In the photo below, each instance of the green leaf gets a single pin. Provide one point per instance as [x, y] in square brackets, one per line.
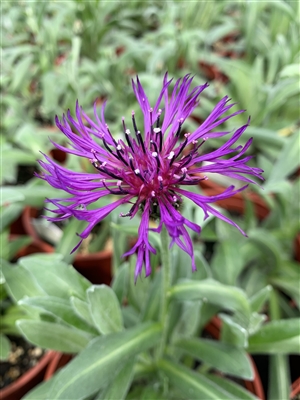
[36, 192]
[58, 308]
[150, 310]
[56, 277]
[226, 265]
[16, 244]
[40, 392]
[277, 337]
[96, 366]
[264, 137]
[120, 281]
[4, 347]
[20, 72]
[222, 356]
[289, 285]
[81, 308]
[268, 244]
[280, 93]
[232, 332]
[279, 379]
[188, 320]
[9, 214]
[289, 71]
[50, 92]
[131, 316]
[138, 291]
[29, 138]
[119, 387]
[54, 336]
[189, 382]
[258, 300]
[10, 195]
[237, 391]
[20, 282]
[288, 160]
[23, 157]
[69, 239]
[105, 309]
[227, 297]
[256, 322]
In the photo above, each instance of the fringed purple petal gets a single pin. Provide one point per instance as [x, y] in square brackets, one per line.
[146, 169]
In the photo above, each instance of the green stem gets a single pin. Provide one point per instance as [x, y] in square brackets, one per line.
[165, 286]
[274, 305]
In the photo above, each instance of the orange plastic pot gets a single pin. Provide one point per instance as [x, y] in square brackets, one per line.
[238, 201]
[96, 267]
[27, 381]
[58, 361]
[295, 390]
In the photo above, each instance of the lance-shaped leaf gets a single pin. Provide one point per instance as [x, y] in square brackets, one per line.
[259, 298]
[120, 385]
[60, 309]
[105, 309]
[277, 337]
[192, 384]
[279, 377]
[54, 336]
[56, 277]
[97, 365]
[236, 391]
[20, 282]
[81, 308]
[227, 297]
[222, 356]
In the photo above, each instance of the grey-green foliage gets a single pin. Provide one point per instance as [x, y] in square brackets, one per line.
[70, 315]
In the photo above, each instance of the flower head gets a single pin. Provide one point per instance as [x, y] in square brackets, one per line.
[151, 167]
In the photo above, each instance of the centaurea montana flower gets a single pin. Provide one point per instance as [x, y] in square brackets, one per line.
[149, 169]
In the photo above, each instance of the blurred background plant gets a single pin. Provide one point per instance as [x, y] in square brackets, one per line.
[54, 53]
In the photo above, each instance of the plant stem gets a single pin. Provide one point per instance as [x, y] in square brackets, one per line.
[165, 286]
[274, 305]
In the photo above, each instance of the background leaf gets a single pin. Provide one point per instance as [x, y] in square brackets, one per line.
[277, 337]
[54, 336]
[218, 355]
[105, 309]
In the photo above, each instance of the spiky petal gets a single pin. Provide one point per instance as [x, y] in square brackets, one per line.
[148, 168]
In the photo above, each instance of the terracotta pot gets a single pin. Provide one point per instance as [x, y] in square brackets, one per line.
[27, 381]
[17, 227]
[58, 155]
[36, 246]
[255, 386]
[212, 73]
[96, 267]
[58, 361]
[295, 390]
[236, 202]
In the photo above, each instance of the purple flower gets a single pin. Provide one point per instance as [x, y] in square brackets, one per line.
[149, 167]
